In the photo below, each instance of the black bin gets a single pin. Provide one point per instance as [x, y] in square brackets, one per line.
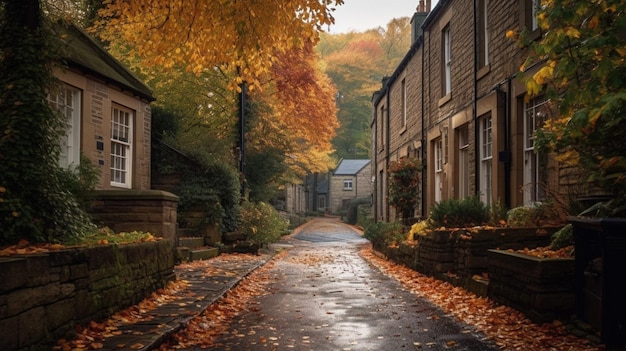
[600, 272]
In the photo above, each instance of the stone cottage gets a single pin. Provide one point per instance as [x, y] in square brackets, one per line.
[108, 116]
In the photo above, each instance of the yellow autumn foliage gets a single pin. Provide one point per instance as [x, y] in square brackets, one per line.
[238, 36]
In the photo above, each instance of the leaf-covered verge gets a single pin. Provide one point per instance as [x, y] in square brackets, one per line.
[102, 236]
[505, 326]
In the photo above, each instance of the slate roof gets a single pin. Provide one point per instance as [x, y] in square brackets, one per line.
[89, 56]
[350, 167]
[322, 187]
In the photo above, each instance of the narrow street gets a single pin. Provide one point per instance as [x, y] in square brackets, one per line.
[324, 296]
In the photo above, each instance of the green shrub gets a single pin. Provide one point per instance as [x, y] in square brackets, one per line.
[547, 213]
[364, 218]
[519, 217]
[563, 238]
[353, 209]
[385, 233]
[81, 180]
[295, 220]
[498, 214]
[455, 213]
[262, 223]
[214, 190]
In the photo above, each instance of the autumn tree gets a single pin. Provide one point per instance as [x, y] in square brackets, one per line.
[81, 12]
[238, 36]
[356, 64]
[583, 56]
[265, 44]
[35, 204]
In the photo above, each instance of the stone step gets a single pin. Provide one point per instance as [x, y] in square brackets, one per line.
[187, 232]
[191, 242]
[204, 253]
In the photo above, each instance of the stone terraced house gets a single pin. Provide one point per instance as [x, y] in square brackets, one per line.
[456, 103]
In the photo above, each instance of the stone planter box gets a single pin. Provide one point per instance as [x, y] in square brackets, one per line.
[457, 255]
[541, 288]
[464, 251]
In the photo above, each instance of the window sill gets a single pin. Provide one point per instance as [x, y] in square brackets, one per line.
[483, 72]
[444, 100]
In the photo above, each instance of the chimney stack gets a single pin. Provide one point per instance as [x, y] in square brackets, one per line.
[418, 18]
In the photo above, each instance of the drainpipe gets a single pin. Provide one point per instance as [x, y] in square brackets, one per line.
[387, 153]
[375, 166]
[474, 109]
[423, 136]
[507, 144]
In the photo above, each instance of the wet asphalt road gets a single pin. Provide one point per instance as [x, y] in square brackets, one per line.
[324, 296]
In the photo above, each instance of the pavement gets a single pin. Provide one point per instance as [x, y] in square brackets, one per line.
[208, 281]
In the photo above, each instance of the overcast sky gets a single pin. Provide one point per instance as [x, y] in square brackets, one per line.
[361, 15]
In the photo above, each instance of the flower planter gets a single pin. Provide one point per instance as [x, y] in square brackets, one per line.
[541, 288]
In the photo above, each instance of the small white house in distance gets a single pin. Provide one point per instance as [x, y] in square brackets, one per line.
[352, 179]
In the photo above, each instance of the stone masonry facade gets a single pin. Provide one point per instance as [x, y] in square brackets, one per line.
[456, 102]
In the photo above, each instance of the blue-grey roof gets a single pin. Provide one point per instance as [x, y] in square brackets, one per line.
[322, 187]
[351, 167]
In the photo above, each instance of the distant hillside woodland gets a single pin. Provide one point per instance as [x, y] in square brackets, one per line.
[356, 63]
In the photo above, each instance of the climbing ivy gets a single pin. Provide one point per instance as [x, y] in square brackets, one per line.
[34, 205]
[404, 181]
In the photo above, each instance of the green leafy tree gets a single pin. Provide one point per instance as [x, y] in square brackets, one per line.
[404, 182]
[583, 52]
[34, 204]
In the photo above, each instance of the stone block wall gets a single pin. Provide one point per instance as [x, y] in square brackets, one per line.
[153, 211]
[542, 288]
[42, 296]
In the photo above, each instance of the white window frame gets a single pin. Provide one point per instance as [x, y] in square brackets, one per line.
[122, 130]
[447, 60]
[534, 162]
[464, 162]
[347, 184]
[404, 104]
[438, 169]
[486, 160]
[535, 5]
[485, 32]
[66, 100]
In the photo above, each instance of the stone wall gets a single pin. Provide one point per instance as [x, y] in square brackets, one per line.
[465, 258]
[464, 252]
[152, 211]
[42, 296]
[542, 288]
